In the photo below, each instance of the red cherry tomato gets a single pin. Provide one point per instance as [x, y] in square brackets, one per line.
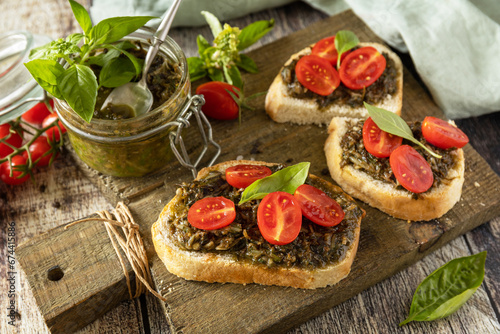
[53, 133]
[318, 207]
[211, 213]
[411, 169]
[379, 143]
[362, 67]
[37, 114]
[14, 139]
[279, 218]
[37, 149]
[5, 168]
[442, 134]
[317, 75]
[326, 49]
[241, 176]
[218, 103]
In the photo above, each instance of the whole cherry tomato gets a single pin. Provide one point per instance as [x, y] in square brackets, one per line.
[218, 103]
[5, 169]
[279, 218]
[37, 114]
[37, 149]
[442, 134]
[317, 75]
[211, 213]
[362, 67]
[318, 207]
[241, 176]
[14, 139]
[411, 169]
[326, 49]
[379, 143]
[53, 133]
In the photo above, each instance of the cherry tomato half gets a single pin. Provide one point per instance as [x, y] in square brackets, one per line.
[442, 134]
[14, 139]
[5, 168]
[326, 49]
[241, 176]
[411, 169]
[211, 213]
[53, 133]
[318, 207]
[362, 67]
[377, 142]
[218, 103]
[37, 149]
[37, 114]
[279, 218]
[317, 75]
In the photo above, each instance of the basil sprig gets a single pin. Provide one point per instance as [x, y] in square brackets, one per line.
[392, 123]
[288, 180]
[221, 60]
[445, 290]
[76, 83]
[345, 40]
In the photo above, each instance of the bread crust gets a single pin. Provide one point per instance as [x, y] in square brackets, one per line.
[385, 197]
[283, 108]
[214, 267]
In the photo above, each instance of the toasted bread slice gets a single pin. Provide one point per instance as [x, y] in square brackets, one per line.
[384, 196]
[282, 107]
[224, 267]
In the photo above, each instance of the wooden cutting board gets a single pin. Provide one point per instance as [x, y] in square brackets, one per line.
[76, 277]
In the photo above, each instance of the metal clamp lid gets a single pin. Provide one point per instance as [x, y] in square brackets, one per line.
[193, 107]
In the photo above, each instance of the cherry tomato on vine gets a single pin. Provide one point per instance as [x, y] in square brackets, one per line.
[326, 49]
[211, 213]
[241, 176]
[5, 168]
[53, 133]
[362, 67]
[411, 169]
[442, 134]
[317, 75]
[14, 139]
[318, 207]
[377, 142]
[37, 114]
[218, 103]
[279, 218]
[37, 149]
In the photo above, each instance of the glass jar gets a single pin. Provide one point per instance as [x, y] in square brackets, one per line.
[135, 146]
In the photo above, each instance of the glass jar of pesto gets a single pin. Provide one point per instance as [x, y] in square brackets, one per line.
[136, 146]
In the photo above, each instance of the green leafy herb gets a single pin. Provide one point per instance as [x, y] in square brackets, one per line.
[392, 123]
[288, 180]
[447, 289]
[75, 82]
[221, 60]
[345, 40]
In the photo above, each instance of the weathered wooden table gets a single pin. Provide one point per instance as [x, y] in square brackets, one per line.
[61, 193]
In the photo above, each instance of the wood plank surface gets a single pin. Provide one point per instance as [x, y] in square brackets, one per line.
[66, 195]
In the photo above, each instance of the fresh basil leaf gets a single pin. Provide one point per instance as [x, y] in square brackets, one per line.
[447, 289]
[105, 57]
[215, 74]
[117, 72]
[253, 32]
[394, 124]
[213, 22]
[196, 68]
[46, 72]
[135, 61]
[345, 40]
[233, 76]
[55, 50]
[78, 86]
[202, 44]
[288, 180]
[75, 38]
[82, 16]
[112, 29]
[247, 64]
